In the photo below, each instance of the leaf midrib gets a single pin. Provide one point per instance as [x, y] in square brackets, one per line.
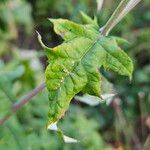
[86, 53]
[74, 67]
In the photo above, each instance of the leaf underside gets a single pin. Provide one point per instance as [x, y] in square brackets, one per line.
[74, 65]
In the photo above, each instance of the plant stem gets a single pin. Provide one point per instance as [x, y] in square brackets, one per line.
[23, 101]
[111, 22]
[124, 125]
[123, 8]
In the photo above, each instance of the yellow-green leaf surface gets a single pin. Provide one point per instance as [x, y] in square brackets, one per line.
[74, 65]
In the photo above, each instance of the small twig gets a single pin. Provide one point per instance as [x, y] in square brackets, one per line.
[124, 125]
[23, 101]
[141, 96]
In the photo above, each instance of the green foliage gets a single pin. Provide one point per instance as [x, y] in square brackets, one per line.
[8, 73]
[74, 64]
[80, 122]
[26, 129]
[98, 125]
[13, 14]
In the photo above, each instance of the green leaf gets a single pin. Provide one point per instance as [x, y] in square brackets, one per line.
[87, 20]
[74, 65]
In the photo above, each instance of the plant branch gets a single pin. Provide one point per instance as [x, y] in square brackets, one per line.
[124, 125]
[123, 8]
[16, 106]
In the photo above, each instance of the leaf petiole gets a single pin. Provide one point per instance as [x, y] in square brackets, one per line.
[121, 11]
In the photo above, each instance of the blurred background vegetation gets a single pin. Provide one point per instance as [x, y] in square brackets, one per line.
[120, 126]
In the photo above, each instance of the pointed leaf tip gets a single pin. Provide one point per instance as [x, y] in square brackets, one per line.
[51, 20]
[81, 12]
[49, 51]
[68, 139]
[40, 39]
[53, 126]
[38, 34]
[121, 41]
[130, 78]
[87, 19]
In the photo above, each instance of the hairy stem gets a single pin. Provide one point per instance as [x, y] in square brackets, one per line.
[23, 101]
[123, 8]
